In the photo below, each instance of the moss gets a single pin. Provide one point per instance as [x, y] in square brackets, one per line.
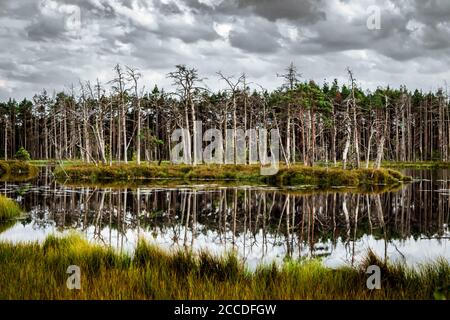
[287, 176]
[17, 168]
[4, 168]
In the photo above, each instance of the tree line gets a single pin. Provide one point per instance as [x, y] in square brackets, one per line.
[120, 121]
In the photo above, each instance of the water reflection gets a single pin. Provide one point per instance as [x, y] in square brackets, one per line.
[263, 224]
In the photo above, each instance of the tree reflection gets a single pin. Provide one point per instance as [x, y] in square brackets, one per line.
[249, 219]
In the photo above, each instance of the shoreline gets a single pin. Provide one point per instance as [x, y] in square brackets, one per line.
[295, 175]
[153, 273]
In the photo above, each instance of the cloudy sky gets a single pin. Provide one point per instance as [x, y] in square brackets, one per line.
[53, 43]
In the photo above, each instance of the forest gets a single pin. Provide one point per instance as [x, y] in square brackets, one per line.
[121, 121]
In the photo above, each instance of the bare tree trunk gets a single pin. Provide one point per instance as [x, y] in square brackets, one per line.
[288, 134]
[346, 147]
[382, 133]
[333, 139]
[46, 137]
[124, 130]
[66, 147]
[111, 133]
[138, 134]
[302, 126]
[194, 132]
[355, 120]
[348, 129]
[313, 138]
[87, 141]
[6, 139]
[380, 151]
[134, 76]
[369, 145]
[294, 143]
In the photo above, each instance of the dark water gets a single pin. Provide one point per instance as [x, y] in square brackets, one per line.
[262, 223]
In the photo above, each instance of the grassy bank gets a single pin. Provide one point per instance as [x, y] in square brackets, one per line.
[8, 209]
[33, 271]
[424, 165]
[53, 162]
[292, 176]
[16, 167]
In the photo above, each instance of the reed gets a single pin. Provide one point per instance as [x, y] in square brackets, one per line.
[8, 209]
[38, 271]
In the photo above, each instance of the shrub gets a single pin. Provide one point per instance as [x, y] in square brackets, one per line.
[23, 155]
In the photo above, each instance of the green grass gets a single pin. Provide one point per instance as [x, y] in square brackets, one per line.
[420, 165]
[34, 271]
[8, 209]
[426, 165]
[385, 164]
[295, 175]
[328, 177]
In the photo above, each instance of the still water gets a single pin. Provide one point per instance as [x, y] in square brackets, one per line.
[261, 223]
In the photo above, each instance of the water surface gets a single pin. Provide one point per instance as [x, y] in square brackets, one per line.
[263, 224]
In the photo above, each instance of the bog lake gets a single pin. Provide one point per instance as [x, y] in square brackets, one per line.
[261, 223]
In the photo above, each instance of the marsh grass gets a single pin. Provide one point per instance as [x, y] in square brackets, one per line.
[18, 178]
[423, 165]
[33, 271]
[293, 176]
[5, 225]
[8, 209]
[12, 168]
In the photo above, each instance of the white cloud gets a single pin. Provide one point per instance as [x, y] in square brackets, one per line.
[223, 29]
[140, 14]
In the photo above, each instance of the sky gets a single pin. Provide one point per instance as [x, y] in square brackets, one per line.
[51, 44]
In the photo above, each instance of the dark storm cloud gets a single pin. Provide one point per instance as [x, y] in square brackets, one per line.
[256, 36]
[285, 9]
[402, 35]
[246, 40]
[167, 8]
[202, 8]
[430, 12]
[41, 77]
[8, 65]
[23, 8]
[333, 35]
[51, 28]
[306, 10]
[188, 33]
